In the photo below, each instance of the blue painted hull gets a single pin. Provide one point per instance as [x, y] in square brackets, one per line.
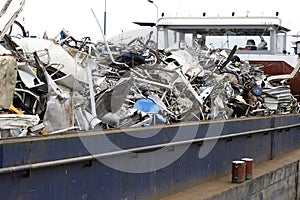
[52, 167]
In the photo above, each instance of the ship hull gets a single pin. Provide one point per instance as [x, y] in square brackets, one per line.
[62, 167]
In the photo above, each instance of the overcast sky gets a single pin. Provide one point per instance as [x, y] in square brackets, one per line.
[77, 18]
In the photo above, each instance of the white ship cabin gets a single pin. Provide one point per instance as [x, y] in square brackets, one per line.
[257, 38]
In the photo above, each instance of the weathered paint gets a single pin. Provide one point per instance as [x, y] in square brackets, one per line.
[238, 171]
[8, 77]
[249, 168]
[94, 180]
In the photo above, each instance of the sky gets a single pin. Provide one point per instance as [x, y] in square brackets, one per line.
[52, 16]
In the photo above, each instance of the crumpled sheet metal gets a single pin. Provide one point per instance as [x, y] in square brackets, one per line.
[11, 121]
[16, 124]
[56, 55]
[182, 85]
[59, 111]
[112, 100]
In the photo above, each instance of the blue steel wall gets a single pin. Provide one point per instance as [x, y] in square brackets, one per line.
[97, 181]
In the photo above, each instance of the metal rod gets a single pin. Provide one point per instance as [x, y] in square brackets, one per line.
[150, 1]
[105, 41]
[64, 130]
[104, 18]
[108, 49]
[91, 85]
[11, 20]
[7, 170]
[4, 9]
[153, 83]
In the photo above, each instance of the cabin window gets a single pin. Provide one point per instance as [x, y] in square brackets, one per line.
[171, 39]
[280, 45]
[227, 41]
[243, 42]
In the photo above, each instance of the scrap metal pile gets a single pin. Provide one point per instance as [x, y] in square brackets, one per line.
[54, 85]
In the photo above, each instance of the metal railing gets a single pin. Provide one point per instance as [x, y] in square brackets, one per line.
[55, 163]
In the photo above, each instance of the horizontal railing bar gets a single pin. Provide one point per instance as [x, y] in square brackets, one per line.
[20, 168]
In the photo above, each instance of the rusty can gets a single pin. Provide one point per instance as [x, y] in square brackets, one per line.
[249, 168]
[238, 171]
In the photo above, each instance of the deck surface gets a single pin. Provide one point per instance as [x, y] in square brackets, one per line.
[211, 188]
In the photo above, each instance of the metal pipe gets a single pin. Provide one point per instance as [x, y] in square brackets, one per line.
[5, 7]
[11, 20]
[20, 168]
[153, 83]
[150, 1]
[64, 130]
[91, 84]
[109, 51]
[105, 17]
[104, 38]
